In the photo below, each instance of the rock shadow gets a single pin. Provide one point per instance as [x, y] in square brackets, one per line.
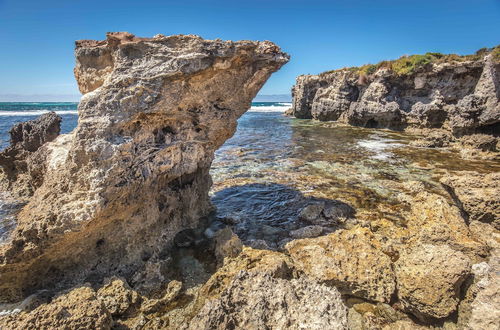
[267, 216]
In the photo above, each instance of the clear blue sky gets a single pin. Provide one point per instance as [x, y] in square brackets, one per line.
[36, 37]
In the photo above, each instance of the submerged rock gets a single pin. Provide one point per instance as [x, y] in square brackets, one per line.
[134, 172]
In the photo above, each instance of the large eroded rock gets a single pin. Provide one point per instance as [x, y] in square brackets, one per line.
[459, 96]
[429, 278]
[351, 260]
[134, 172]
[260, 301]
[20, 169]
[477, 194]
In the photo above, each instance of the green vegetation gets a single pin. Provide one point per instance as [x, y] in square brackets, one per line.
[407, 65]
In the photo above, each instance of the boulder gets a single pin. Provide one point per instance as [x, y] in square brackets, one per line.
[350, 260]
[19, 161]
[135, 171]
[429, 278]
[477, 194]
[485, 306]
[78, 309]
[433, 220]
[261, 301]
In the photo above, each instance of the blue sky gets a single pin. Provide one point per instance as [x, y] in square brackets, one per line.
[36, 37]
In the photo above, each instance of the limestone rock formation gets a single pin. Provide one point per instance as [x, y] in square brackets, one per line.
[134, 172]
[477, 194]
[20, 169]
[259, 301]
[460, 94]
[433, 220]
[429, 278]
[78, 309]
[485, 306]
[350, 260]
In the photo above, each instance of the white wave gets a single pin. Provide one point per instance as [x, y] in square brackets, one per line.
[36, 112]
[380, 147]
[269, 108]
[289, 104]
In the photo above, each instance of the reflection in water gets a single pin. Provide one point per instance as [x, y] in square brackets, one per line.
[366, 168]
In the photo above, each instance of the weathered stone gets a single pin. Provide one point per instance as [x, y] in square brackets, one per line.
[459, 96]
[227, 244]
[350, 260]
[485, 308]
[307, 232]
[19, 162]
[78, 309]
[135, 171]
[154, 305]
[477, 194]
[432, 220]
[118, 297]
[429, 278]
[482, 142]
[260, 301]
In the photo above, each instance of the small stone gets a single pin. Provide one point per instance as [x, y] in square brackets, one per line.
[227, 244]
[311, 212]
[307, 232]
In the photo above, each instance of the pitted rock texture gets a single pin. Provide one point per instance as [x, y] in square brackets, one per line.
[20, 169]
[260, 301]
[477, 194]
[351, 260]
[460, 96]
[134, 172]
[429, 278]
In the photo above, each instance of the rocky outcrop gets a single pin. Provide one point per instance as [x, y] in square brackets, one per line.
[20, 170]
[459, 94]
[78, 309]
[259, 301]
[134, 172]
[429, 278]
[351, 260]
[477, 194]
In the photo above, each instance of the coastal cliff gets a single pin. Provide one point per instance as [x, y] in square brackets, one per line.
[134, 172]
[116, 231]
[459, 94]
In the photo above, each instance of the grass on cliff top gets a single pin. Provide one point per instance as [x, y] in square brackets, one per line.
[407, 65]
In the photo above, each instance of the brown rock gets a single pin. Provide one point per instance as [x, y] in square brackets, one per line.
[429, 278]
[477, 194]
[78, 309]
[432, 220]
[350, 260]
[261, 301]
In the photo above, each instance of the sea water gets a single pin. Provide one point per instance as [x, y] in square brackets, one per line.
[266, 172]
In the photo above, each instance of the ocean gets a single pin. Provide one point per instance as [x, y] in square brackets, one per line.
[15, 112]
[273, 163]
